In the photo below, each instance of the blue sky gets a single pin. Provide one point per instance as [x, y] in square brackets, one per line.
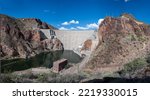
[75, 14]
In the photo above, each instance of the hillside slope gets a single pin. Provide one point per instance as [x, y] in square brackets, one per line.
[20, 38]
[121, 40]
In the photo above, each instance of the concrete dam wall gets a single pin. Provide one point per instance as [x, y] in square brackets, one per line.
[71, 39]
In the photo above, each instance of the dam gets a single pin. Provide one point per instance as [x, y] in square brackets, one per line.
[73, 42]
[72, 39]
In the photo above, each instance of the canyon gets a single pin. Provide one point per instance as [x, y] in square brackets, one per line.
[119, 48]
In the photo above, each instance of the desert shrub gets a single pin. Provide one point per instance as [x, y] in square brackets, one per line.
[133, 38]
[52, 74]
[142, 38]
[148, 59]
[42, 78]
[7, 78]
[67, 79]
[45, 76]
[30, 75]
[135, 64]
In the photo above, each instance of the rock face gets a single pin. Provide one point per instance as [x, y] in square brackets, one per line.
[125, 24]
[30, 23]
[22, 37]
[121, 40]
[87, 45]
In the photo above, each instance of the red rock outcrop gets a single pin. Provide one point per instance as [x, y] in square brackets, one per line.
[121, 40]
[33, 23]
[87, 45]
[20, 39]
[125, 24]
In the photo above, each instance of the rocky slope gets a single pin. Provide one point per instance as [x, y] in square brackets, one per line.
[121, 40]
[22, 37]
[30, 23]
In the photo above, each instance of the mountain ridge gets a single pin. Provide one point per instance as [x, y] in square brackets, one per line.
[22, 38]
[121, 40]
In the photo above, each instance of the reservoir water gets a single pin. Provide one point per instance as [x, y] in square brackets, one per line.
[40, 60]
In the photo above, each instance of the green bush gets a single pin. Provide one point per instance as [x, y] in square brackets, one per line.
[68, 79]
[133, 37]
[135, 64]
[45, 76]
[6, 78]
[148, 59]
[42, 78]
[142, 38]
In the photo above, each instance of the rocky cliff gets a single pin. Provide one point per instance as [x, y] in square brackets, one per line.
[32, 23]
[22, 37]
[121, 40]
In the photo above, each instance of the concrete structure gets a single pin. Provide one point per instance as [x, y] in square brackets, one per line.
[59, 65]
[48, 33]
[72, 39]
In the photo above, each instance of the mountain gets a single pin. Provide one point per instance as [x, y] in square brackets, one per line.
[121, 40]
[22, 37]
[30, 23]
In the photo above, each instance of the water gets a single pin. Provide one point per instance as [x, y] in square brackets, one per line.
[41, 60]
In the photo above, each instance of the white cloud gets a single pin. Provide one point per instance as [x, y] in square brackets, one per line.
[122, 0]
[74, 22]
[73, 28]
[93, 26]
[65, 23]
[86, 27]
[82, 28]
[70, 22]
[63, 28]
[126, 0]
[100, 21]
